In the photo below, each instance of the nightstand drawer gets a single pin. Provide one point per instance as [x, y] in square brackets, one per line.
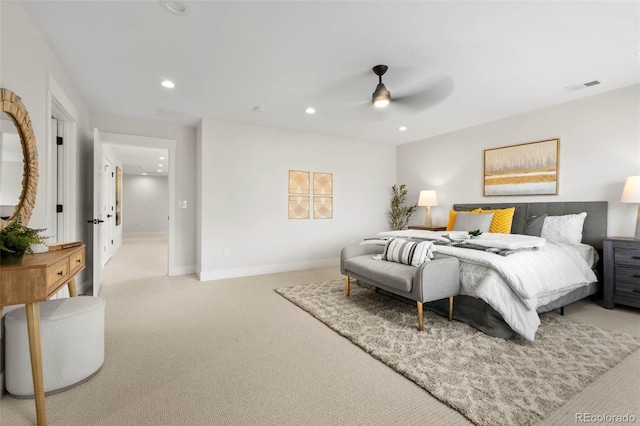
[629, 277]
[627, 256]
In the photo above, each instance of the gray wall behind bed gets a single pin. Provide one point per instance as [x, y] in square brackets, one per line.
[595, 224]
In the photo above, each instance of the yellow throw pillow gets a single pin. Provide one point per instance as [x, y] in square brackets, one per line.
[452, 220]
[502, 220]
[453, 214]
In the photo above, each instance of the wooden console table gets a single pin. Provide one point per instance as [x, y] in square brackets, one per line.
[38, 278]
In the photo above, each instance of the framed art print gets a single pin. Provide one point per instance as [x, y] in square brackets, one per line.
[323, 207]
[299, 182]
[525, 169]
[298, 207]
[322, 183]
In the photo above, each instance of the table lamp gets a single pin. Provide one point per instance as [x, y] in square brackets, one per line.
[428, 198]
[631, 194]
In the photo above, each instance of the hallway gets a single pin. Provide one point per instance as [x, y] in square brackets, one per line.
[140, 257]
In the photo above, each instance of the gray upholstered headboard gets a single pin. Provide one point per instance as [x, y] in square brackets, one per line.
[595, 224]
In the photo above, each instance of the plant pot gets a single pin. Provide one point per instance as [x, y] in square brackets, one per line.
[7, 258]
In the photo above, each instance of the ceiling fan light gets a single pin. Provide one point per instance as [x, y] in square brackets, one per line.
[381, 103]
[381, 96]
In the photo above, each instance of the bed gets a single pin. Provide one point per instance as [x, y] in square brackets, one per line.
[480, 314]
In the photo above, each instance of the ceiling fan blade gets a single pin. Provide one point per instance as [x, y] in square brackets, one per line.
[346, 88]
[360, 111]
[439, 89]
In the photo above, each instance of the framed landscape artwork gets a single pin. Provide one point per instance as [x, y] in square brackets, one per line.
[525, 169]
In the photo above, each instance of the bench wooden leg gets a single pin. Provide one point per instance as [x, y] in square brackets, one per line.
[450, 308]
[347, 285]
[420, 317]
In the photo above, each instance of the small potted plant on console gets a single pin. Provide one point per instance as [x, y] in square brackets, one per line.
[16, 239]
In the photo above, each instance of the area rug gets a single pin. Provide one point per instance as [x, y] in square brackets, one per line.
[489, 380]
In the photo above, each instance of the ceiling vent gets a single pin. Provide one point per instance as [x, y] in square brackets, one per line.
[582, 86]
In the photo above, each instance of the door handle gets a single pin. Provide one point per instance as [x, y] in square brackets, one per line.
[95, 221]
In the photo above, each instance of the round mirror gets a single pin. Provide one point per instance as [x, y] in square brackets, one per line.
[11, 167]
[18, 190]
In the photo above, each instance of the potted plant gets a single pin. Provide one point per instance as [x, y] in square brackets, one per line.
[475, 233]
[399, 214]
[16, 239]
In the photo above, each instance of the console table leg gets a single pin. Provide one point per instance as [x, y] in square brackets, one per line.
[73, 292]
[33, 328]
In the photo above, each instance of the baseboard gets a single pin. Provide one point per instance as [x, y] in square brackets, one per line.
[182, 270]
[219, 274]
[136, 234]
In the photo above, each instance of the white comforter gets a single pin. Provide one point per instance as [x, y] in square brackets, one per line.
[516, 285]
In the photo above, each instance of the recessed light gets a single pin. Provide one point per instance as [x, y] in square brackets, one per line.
[168, 84]
[144, 174]
[310, 110]
[161, 158]
[402, 128]
[159, 171]
[160, 165]
[175, 7]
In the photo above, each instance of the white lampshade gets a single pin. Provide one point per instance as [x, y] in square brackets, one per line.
[631, 191]
[428, 198]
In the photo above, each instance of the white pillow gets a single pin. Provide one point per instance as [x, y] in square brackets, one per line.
[473, 221]
[565, 229]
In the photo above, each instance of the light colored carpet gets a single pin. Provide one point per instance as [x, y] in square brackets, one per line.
[234, 352]
[490, 380]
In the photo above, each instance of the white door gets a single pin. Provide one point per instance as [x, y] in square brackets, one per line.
[58, 146]
[97, 212]
[108, 194]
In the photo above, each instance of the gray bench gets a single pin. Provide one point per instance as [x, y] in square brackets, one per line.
[434, 280]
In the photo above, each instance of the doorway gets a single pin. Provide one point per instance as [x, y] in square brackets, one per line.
[138, 160]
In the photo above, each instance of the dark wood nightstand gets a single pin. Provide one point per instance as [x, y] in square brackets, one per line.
[621, 272]
[428, 228]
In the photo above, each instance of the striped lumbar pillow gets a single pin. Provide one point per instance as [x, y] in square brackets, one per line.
[407, 252]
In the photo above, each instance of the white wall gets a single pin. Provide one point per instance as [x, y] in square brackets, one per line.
[27, 65]
[185, 219]
[145, 204]
[244, 194]
[599, 148]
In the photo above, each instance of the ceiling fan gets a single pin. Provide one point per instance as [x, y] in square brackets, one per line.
[434, 92]
[381, 96]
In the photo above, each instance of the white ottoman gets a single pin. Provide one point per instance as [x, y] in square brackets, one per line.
[72, 336]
